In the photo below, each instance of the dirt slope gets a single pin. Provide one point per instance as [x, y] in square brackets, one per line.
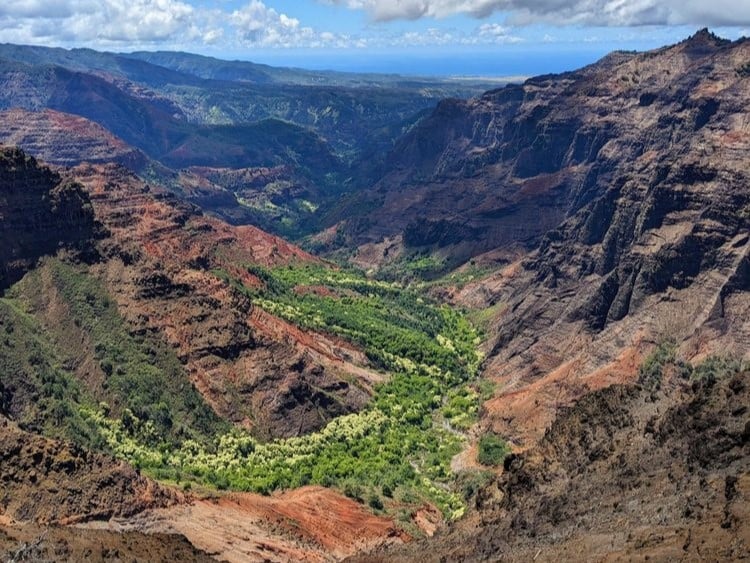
[310, 524]
[48, 481]
[626, 474]
[64, 139]
[158, 261]
[59, 502]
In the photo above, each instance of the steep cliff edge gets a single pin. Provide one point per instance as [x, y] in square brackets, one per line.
[654, 247]
[629, 473]
[612, 203]
[506, 167]
[39, 213]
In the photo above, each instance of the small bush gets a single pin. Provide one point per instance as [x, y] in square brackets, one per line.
[715, 368]
[375, 502]
[652, 369]
[492, 450]
[470, 483]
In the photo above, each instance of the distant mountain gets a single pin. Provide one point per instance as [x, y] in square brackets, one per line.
[246, 71]
[612, 203]
[342, 107]
[198, 111]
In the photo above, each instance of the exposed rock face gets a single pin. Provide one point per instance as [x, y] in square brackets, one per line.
[655, 244]
[628, 183]
[512, 164]
[51, 482]
[254, 370]
[66, 140]
[39, 213]
[627, 473]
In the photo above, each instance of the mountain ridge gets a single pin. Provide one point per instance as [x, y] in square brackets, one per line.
[592, 348]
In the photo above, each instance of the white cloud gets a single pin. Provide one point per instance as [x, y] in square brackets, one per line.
[99, 22]
[144, 23]
[136, 24]
[564, 12]
[485, 34]
[176, 24]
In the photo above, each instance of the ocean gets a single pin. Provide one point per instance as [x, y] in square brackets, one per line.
[439, 64]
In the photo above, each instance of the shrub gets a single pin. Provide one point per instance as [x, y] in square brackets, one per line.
[492, 450]
[375, 503]
[652, 368]
[470, 482]
[716, 367]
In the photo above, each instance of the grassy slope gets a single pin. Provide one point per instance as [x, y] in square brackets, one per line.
[144, 385]
[395, 455]
[35, 388]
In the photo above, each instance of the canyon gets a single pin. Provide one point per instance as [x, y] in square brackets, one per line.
[248, 339]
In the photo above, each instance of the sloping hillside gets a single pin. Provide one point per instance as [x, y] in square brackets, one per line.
[629, 473]
[512, 164]
[611, 204]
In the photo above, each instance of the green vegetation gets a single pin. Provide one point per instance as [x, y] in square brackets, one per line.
[468, 273]
[394, 454]
[471, 482]
[396, 451]
[34, 384]
[651, 371]
[461, 406]
[403, 449]
[492, 450]
[145, 384]
[716, 367]
[664, 356]
[425, 266]
[398, 329]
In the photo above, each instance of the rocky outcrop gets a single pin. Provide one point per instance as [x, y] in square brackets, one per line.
[70, 545]
[65, 139]
[51, 482]
[39, 213]
[159, 262]
[628, 473]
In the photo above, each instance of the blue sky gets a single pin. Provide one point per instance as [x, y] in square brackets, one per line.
[468, 36]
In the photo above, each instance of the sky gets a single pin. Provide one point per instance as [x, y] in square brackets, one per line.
[449, 37]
